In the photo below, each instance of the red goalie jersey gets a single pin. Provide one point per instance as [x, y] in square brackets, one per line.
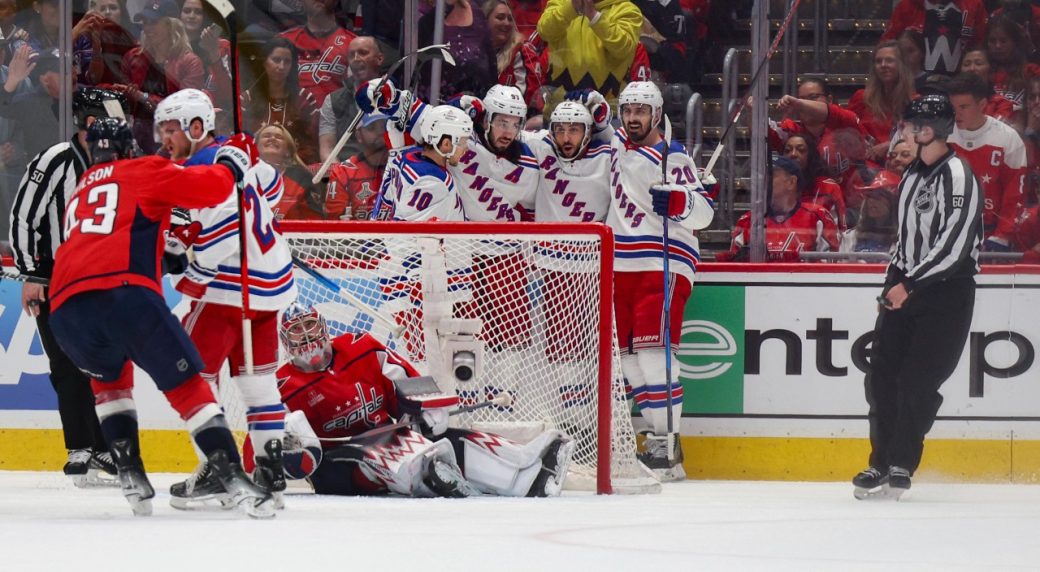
[354, 394]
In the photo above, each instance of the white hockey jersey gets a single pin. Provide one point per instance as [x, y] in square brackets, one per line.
[571, 191]
[216, 250]
[417, 189]
[637, 229]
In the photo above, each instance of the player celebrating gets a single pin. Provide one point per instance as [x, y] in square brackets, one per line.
[353, 387]
[108, 309]
[417, 184]
[213, 281]
[640, 203]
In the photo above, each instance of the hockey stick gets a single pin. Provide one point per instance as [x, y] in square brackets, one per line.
[504, 400]
[18, 277]
[667, 318]
[227, 11]
[395, 328]
[742, 103]
[429, 52]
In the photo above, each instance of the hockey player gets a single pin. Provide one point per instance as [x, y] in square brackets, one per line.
[108, 309]
[418, 184]
[213, 281]
[352, 387]
[640, 201]
[185, 127]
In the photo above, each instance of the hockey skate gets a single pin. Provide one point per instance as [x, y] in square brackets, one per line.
[199, 491]
[898, 482]
[446, 480]
[270, 474]
[132, 478]
[241, 492]
[555, 461]
[872, 484]
[655, 456]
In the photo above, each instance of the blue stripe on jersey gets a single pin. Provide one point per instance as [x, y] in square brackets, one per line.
[253, 289]
[253, 273]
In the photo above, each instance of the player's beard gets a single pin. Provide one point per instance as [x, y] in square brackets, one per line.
[637, 131]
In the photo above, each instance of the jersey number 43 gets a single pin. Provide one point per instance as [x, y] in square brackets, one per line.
[101, 203]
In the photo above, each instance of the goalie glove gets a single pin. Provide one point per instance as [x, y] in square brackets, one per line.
[671, 200]
[595, 103]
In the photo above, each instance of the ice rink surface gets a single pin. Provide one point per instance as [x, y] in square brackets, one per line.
[47, 524]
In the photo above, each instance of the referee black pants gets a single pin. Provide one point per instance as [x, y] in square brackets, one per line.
[915, 350]
[79, 421]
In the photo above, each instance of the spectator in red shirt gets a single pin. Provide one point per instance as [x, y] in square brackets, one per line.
[997, 106]
[813, 112]
[949, 27]
[817, 187]
[880, 104]
[354, 184]
[277, 148]
[527, 13]
[877, 226]
[792, 226]
[1031, 135]
[322, 48]
[519, 63]
[1009, 50]
[213, 50]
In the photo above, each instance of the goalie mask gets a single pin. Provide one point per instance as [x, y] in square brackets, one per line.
[305, 337]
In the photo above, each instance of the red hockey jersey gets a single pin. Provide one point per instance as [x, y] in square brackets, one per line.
[808, 228]
[114, 222]
[997, 156]
[354, 394]
[323, 60]
[949, 29]
[353, 188]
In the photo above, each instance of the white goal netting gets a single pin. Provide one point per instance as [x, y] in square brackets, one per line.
[521, 309]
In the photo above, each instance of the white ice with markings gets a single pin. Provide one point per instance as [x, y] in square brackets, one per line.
[47, 524]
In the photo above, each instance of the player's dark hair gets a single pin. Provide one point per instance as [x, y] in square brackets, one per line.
[969, 84]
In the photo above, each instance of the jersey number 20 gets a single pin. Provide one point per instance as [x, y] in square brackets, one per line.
[104, 199]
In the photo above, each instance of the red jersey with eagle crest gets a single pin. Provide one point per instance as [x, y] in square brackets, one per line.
[352, 395]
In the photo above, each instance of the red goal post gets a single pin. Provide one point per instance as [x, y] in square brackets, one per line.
[530, 303]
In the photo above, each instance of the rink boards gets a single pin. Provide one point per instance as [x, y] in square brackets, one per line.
[772, 362]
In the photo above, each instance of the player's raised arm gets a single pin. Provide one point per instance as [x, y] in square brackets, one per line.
[205, 185]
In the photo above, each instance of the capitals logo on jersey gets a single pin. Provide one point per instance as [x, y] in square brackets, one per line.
[362, 409]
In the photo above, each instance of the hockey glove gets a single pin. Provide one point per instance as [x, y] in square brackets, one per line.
[180, 238]
[436, 420]
[595, 103]
[238, 154]
[473, 106]
[708, 181]
[371, 97]
[193, 284]
[669, 200]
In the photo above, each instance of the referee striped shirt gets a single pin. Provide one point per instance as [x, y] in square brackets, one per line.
[39, 206]
[940, 223]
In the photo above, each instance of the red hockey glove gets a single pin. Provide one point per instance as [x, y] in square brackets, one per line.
[371, 97]
[669, 200]
[239, 154]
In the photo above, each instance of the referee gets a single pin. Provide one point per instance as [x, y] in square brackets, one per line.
[926, 306]
[36, 232]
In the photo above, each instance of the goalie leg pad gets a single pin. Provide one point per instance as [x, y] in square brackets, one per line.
[401, 461]
[502, 467]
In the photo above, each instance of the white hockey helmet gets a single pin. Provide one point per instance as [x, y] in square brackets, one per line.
[505, 99]
[644, 93]
[571, 112]
[184, 107]
[305, 337]
[445, 121]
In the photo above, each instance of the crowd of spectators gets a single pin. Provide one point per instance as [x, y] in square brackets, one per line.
[301, 63]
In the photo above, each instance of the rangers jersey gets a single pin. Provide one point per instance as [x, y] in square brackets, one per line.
[323, 59]
[637, 229]
[571, 191]
[998, 158]
[216, 249]
[415, 188]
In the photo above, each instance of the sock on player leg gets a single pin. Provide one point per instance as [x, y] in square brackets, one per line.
[265, 413]
[115, 407]
[194, 402]
[655, 398]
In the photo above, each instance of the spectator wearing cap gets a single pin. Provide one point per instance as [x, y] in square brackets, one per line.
[322, 47]
[161, 65]
[792, 226]
[592, 43]
[278, 99]
[949, 27]
[354, 184]
[876, 229]
[366, 59]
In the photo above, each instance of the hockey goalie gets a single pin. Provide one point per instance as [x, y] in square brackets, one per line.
[363, 422]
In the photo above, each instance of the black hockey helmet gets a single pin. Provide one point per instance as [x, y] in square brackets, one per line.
[90, 102]
[933, 110]
[110, 139]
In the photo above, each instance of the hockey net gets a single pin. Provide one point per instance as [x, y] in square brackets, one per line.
[486, 309]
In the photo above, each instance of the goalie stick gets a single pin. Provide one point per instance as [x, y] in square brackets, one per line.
[743, 102]
[429, 52]
[504, 400]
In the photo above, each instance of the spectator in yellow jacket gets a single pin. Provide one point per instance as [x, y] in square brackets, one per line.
[591, 43]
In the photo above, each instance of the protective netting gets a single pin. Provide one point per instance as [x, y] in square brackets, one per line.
[521, 311]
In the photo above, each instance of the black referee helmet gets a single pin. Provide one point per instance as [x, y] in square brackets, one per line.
[932, 110]
[90, 102]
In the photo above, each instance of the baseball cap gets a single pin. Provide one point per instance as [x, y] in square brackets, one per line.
[155, 9]
[369, 118]
[789, 166]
